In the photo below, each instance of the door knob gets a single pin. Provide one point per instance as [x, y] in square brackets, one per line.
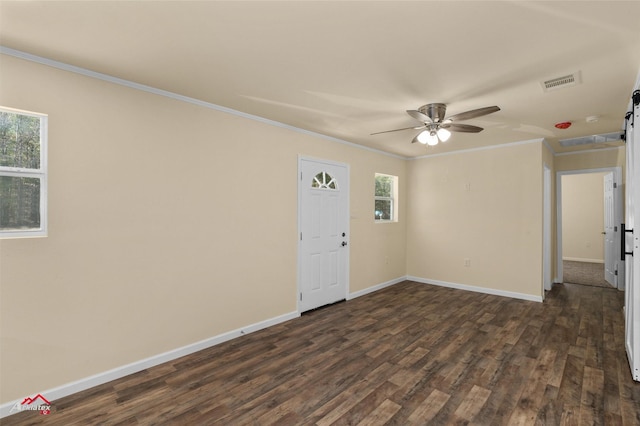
[344, 243]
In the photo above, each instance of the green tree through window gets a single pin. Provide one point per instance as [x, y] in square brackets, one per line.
[21, 173]
[384, 209]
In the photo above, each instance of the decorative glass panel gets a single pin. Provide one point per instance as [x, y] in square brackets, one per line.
[324, 180]
[20, 206]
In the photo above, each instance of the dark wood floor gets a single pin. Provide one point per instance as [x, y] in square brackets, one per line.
[408, 354]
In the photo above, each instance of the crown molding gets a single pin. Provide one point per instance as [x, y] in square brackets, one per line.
[160, 92]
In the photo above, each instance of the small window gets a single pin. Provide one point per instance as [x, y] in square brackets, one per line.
[324, 180]
[23, 177]
[386, 203]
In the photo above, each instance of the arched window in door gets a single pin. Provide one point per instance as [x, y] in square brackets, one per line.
[324, 180]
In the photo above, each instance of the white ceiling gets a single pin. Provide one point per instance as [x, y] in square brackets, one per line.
[349, 69]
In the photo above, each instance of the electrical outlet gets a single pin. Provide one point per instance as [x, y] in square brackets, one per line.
[467, 262]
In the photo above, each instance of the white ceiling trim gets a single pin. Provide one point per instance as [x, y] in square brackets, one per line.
[149, 89]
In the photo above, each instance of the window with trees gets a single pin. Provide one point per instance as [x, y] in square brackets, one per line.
[386, 203]
[23, 173]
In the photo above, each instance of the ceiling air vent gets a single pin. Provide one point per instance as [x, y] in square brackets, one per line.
[561, 82]
[593, 139]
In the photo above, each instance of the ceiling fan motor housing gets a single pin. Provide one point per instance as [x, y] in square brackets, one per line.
[435, 111]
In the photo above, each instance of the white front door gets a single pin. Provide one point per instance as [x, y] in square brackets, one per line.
[609, 229]
[323, 217]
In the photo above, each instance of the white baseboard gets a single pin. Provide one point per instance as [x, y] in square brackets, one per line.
[582, 259]
[125, 370]
[476, 289]
[119, 372]
[375, 288]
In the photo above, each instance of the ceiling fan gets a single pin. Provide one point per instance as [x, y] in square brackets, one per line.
[437, 128]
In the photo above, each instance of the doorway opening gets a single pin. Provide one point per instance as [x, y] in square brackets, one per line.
[589, 217]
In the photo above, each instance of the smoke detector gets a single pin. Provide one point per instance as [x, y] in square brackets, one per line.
[561, 82]
[563, 125]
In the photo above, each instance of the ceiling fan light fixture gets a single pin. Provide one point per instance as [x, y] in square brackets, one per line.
[423, 137]
[432, 139]
[444, 134]
[438, 128]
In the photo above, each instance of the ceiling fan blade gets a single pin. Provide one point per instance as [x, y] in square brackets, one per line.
[397, 130]
[464, 128]
[419, 116]
[467, 115]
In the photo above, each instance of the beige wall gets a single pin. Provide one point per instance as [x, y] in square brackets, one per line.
[593, 159]
[583, 217]
[169, 223]
[159, 236]
[485, 206]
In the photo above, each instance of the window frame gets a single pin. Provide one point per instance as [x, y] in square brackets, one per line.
[393, 199]
[41, 174]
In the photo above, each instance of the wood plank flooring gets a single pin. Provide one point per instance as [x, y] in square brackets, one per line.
[408, 354]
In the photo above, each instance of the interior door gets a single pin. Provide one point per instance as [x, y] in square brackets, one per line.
[323, 255]
[609, 230]
[632, 244]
